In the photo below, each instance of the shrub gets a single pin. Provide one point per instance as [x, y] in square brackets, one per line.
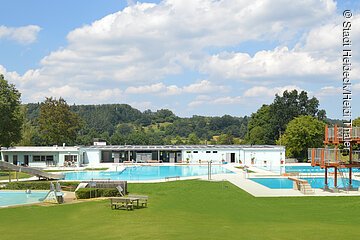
[36, 185]
[84, 193]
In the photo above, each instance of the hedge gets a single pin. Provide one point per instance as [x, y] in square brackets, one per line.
[84, 193]
[37, 185]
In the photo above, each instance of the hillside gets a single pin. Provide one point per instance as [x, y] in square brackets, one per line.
[121, 123]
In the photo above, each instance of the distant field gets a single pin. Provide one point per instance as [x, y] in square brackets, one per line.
[189, 210]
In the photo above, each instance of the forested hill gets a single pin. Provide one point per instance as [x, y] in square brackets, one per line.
[121, 123]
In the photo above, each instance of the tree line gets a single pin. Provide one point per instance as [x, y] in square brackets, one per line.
[292, 119]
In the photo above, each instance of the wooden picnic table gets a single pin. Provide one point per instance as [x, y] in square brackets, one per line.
[124, 202]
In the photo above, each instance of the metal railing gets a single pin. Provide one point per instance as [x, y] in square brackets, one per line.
[326, 156]
[338, 133]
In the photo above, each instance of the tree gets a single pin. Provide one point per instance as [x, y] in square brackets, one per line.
[225, 139]
[259, 128]
[290, 105]
[10, 118]
[302, 133]
[57, 123]
[356, 122]
[193, 139]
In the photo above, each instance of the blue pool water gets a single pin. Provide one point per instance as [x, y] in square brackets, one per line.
[310, 169]
[284, 183]
[11, 198]
[301, 169]
[140, 173]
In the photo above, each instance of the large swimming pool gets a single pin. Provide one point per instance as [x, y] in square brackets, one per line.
[285, 183]
[141, 173]
[11, 198]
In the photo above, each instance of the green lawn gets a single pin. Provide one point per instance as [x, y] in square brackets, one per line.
[189, 210]
[5, 175]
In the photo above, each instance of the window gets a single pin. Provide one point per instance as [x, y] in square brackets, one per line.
[6, 158]
[195, 151]
[188, 151]
[70, 158]
[214, 151]
[37, 158]
[208, 151]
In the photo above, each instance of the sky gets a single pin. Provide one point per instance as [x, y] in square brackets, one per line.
[194, 57]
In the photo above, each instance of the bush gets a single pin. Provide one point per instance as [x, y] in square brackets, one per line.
[84, 193]
[36, 185]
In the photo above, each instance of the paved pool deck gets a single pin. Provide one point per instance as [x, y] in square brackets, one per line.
[240, 179]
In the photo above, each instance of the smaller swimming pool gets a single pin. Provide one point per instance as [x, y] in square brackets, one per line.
[12, 198]
[301, 169]
[285, 183]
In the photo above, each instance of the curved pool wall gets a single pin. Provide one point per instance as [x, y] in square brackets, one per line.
[285, 183]
[143, 173]
[13, 198]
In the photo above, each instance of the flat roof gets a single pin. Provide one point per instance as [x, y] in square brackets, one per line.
[182, 147]
[41, 149]
[140, 148]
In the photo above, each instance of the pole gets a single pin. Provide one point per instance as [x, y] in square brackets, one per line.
[335, 177]
[210, 170]
[350, 177]
[326, 178]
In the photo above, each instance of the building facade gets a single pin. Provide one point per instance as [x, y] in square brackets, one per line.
[259, 155]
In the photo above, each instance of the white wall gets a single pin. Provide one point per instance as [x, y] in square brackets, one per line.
[202, 155]
[267, 157]
[92, 156]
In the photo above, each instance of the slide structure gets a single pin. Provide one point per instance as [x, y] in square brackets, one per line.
[32, 171]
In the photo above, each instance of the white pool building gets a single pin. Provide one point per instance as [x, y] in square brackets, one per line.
[100, 154]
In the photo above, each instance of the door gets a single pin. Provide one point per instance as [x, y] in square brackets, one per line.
[172, 157]
[232, 157]
[15, 159]
[26, 160]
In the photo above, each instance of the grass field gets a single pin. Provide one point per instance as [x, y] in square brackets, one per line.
[189, 210]
[5, 175]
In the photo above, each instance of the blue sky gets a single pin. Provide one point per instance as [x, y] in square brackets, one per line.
[195, 57]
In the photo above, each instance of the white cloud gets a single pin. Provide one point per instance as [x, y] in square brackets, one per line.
[24, 35]
[203, 86]
[260, 91]
[329, 91]
[154, 88]
[228, 100]
[280, 63]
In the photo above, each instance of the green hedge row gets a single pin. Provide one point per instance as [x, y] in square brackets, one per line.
[84, 193]
[38, 185]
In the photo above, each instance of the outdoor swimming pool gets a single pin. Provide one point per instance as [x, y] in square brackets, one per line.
[284, 183]
[141, 173]
[300, 169]
[11, 198]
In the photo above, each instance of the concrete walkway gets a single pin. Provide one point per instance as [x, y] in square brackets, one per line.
[240, 179]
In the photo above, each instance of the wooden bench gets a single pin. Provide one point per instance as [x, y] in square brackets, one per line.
[143, 199]
[169, 178]
[121, 203]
